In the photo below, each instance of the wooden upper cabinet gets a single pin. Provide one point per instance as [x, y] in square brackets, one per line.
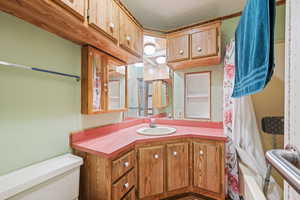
[76, 7]
[104, 82]
[207, 166]
[178, 48]
[131, 36]
[104, 16]
[151, 171]
[177, 166]
[204, 43]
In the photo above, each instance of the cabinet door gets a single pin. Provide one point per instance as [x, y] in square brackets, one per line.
[113, 23]
[178, 48]
[117, 85]
[76, 7]
[138, 40]
[151, 171]
[204, 43]
[104, 15]
[124, 30]
[92, 84]
[177, 166]
[207, 166]
[131, 36]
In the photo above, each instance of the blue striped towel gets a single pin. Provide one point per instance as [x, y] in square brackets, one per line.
[254, 48]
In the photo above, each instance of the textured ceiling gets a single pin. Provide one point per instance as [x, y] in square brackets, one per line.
[166, 15]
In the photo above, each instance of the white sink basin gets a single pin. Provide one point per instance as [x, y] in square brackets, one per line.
[160, 130]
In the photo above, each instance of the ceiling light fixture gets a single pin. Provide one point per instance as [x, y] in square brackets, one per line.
[139, 64]
[161, 60]
[149, 49]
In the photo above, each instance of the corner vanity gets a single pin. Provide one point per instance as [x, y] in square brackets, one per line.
[120, 164]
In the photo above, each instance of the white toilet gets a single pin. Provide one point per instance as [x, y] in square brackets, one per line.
[55, 179]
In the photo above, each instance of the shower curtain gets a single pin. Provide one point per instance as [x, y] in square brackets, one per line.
[231, 154]
[243, 135]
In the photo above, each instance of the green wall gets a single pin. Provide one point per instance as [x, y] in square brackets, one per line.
[38, 110]
[227, 33]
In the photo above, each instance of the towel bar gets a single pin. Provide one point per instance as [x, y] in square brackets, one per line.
[287, 163]
[38, 69]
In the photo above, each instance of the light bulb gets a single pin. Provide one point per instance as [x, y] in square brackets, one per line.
[149, 49]
[161, 60]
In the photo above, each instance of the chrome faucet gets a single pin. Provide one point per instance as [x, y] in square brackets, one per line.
[152, 123]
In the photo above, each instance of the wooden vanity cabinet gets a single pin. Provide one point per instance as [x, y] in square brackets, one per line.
[103, 84]
[177, 166]
[130, 196]
[98, 180]
[151, 170]
[76, 7]
[207, 167]
[157, 170]
[194, 47]
[104, 16]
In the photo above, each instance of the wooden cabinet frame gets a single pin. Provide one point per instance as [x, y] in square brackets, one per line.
[87, 81]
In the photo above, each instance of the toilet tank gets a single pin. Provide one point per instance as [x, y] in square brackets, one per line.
[54, 179]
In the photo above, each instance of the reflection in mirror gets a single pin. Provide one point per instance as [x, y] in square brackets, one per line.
[117, 87]
[148, 93]
[146, 98]
[97, 86]
[160, 94]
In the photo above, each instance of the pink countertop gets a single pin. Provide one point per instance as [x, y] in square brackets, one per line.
[108, 141]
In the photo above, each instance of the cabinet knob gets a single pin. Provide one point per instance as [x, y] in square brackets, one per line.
[128, 38]
[111, 25]
[126, 164]
[181, 52]
[174, 153]
[156, 156]
[199, 49]
[126, 185]
[201, 152]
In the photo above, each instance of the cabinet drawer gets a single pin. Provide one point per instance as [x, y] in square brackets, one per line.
[205, 43]
[123, 185]
[130, 195]
[178, 48]
[122, 165]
